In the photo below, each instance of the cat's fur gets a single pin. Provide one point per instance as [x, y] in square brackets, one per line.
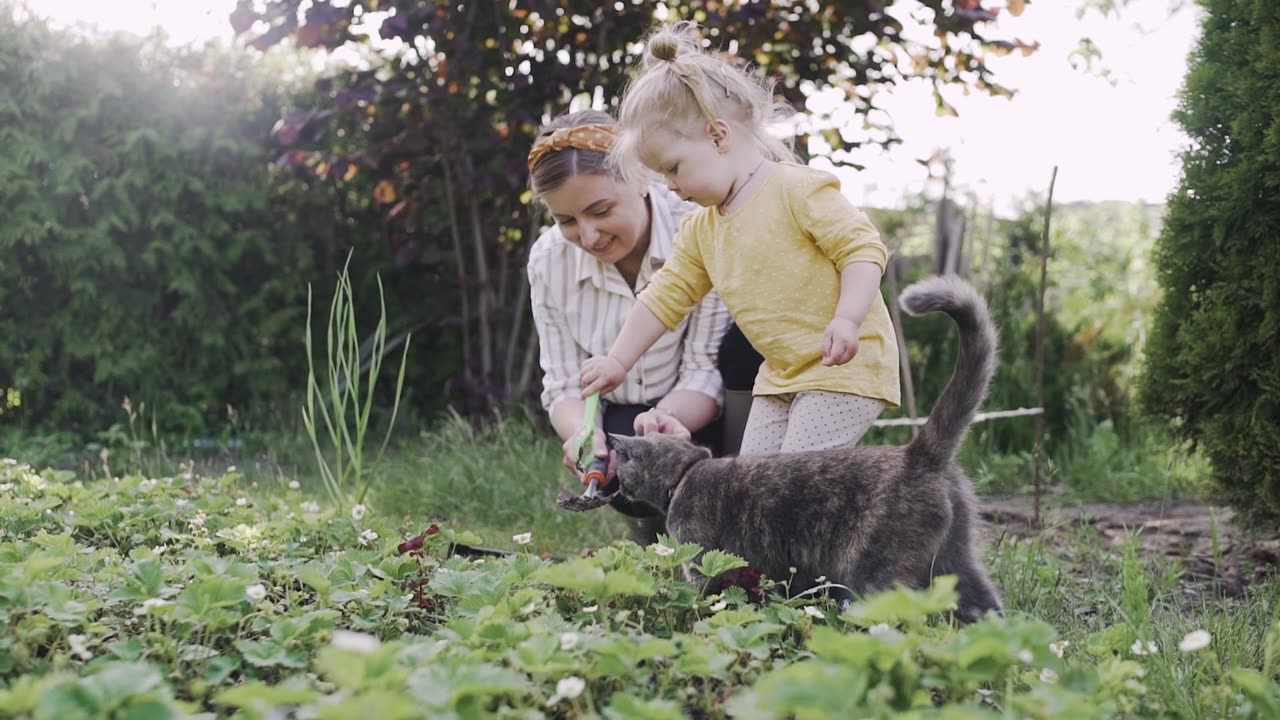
[868, 517]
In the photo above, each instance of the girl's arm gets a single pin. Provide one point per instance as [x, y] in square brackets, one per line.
[859, 287]
[639, 332]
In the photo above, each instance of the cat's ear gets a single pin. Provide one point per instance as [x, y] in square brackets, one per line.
[613, 441]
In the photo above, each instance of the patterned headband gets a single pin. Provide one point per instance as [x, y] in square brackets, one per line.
[598, 137]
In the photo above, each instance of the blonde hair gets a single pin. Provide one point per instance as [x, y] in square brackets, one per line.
[681, 87]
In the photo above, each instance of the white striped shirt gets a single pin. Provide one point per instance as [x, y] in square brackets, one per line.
[580, 303]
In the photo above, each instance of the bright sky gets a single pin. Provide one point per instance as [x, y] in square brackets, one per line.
[1110, 142]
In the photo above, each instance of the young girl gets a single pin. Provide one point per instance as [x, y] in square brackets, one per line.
[797, 265]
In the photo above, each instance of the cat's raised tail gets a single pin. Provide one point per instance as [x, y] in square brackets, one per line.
[941, 436]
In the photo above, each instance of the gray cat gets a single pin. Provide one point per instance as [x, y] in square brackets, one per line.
[867, 518]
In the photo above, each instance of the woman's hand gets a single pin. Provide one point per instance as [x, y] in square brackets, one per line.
[660, 422]
[570, 447]
[602, 374]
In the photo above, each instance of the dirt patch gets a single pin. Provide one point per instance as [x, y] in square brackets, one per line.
[1183, 530]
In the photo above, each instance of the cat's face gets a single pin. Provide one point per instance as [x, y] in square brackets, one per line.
[650, 467]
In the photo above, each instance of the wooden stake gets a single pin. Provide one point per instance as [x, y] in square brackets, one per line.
[1044, 276]
[904, 358]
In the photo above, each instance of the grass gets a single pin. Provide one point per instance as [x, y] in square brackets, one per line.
[1084, 589]
[499, 480]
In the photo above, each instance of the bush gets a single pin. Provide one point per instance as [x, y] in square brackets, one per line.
[142, 257]
[152, 249]
[1212, 364]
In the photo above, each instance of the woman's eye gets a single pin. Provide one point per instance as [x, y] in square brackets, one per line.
[567, 221]
[672, 170]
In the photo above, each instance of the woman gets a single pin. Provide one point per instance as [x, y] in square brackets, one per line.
[584, 273]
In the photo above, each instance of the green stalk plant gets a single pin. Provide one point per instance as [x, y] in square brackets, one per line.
[344, 403]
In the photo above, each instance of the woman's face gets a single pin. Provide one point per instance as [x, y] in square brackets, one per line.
[597, 213]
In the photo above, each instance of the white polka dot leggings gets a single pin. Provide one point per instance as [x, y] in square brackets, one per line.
[814, 420]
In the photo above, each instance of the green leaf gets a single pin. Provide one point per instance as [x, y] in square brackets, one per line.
[443, 687]
[624, 706]
[269, 653]
[582, 575]
[220, 668]
[716, 562]
[128, 648]
[256, 695]
[316, 578]
[1260, 691]
[628, 582]
[806, 689]
[906, 607]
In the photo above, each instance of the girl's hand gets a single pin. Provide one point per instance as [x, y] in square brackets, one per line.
[840, 341]
[602, 374]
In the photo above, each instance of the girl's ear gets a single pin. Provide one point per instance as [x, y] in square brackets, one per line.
[719, 131]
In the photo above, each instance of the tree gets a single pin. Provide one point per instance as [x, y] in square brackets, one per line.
[447, 97]
[1212, 362]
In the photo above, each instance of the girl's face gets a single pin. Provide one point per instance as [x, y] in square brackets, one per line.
[602, 216]
[693, 167]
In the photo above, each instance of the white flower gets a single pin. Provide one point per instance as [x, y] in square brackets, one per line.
[358, 511]
[1195, 640]
[1026, 656]
[528, 609]
[880, 629]
[663, 550]
[591, 608]
[181, 502]
[80, 647]
[146, 484]
[719, 606]
[1059, 647]
[231, 469]
[1140, 648]
[294, 484]
[568, 640]
[241, 502]
[6, 487]
[367, 536]
[159, 549]
[568, 689]
[813, 612]
[522, 538]
[310, 506]
[1048, 676]
[356, 642]
[149, 603]
[255, 592]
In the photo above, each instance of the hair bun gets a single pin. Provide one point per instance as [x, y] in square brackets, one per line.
[665, 45]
